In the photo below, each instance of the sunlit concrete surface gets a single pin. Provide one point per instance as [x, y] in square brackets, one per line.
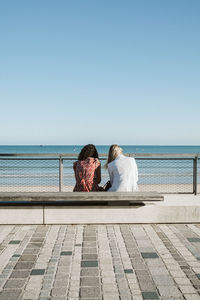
[174, 209]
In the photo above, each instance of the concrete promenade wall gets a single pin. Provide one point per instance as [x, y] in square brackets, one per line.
[174, 209]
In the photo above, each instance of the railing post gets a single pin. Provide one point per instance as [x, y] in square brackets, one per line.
[60, 174]
[195, 178]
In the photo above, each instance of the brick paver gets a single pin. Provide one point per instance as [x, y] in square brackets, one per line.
[107, 262]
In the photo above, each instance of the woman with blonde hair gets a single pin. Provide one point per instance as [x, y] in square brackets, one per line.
[122, 171]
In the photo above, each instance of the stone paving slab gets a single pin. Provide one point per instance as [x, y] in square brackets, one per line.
[100, 262]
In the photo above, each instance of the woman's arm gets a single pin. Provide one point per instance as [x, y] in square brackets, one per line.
[110, 175]
[98, 171]
[98, 174]
[135, 170]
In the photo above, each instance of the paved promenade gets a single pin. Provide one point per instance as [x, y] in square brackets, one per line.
[105, 262]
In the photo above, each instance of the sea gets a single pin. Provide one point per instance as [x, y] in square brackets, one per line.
[16, 173]
[101, 149]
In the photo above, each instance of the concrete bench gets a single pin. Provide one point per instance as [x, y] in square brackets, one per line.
[73, 208]
[79, 198]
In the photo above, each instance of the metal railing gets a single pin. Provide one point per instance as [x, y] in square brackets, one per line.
[166, 173]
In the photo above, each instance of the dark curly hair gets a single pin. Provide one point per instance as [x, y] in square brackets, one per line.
[88, 151]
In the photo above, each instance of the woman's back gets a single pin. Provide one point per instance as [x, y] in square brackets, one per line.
[123, 174]
[87, 173]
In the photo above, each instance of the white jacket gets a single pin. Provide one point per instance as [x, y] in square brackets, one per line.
[123, 174]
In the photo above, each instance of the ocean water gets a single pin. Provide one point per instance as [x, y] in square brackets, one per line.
[101, 149]
[43, 172]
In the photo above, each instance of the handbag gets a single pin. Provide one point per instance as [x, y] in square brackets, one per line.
[107, 185]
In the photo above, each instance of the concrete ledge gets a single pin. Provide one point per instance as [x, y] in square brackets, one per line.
[174, 209]
[121, 215]
[21, 215]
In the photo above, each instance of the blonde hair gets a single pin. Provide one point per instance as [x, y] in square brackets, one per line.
[114, 151]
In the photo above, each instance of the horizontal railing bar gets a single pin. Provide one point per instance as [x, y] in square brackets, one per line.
[100, 155]
[28, 158]
[164, 155]
[163, 158]
[39, 154]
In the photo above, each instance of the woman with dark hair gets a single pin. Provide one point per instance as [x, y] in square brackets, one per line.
[87, 170]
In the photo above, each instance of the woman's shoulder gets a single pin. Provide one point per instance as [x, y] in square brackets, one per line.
[132, 160]
[96, 161]
[92, 160]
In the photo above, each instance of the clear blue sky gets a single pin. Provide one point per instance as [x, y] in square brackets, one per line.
[106, 71]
